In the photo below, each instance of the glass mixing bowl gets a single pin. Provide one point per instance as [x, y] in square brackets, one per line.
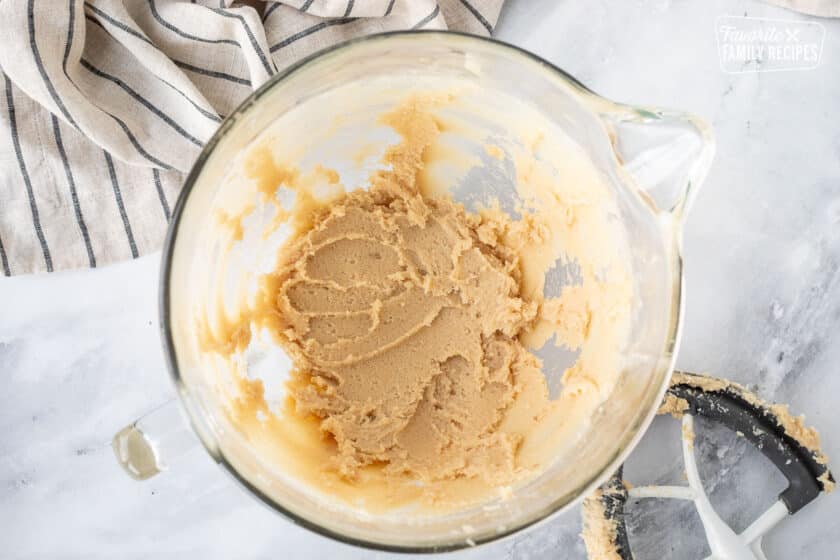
[651, 161]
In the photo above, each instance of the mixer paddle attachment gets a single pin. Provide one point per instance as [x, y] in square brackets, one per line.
[782, 438]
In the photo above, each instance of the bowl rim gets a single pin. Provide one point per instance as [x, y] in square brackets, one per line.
[536, 518]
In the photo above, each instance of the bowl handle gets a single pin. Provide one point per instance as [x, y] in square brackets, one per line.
[153, 442]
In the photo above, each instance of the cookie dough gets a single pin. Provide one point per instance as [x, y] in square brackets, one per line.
[601, 532]
[404, 327]
[413, 324]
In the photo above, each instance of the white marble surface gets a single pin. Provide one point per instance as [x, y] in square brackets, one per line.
[80, 356]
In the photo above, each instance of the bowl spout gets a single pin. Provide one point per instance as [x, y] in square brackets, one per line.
[666, 154]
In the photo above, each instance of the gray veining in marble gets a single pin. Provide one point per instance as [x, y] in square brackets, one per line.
[80, 357]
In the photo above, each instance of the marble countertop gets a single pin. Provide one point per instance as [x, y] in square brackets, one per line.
[80, 355]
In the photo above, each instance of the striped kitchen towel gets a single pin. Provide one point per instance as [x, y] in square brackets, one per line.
[108, 103]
